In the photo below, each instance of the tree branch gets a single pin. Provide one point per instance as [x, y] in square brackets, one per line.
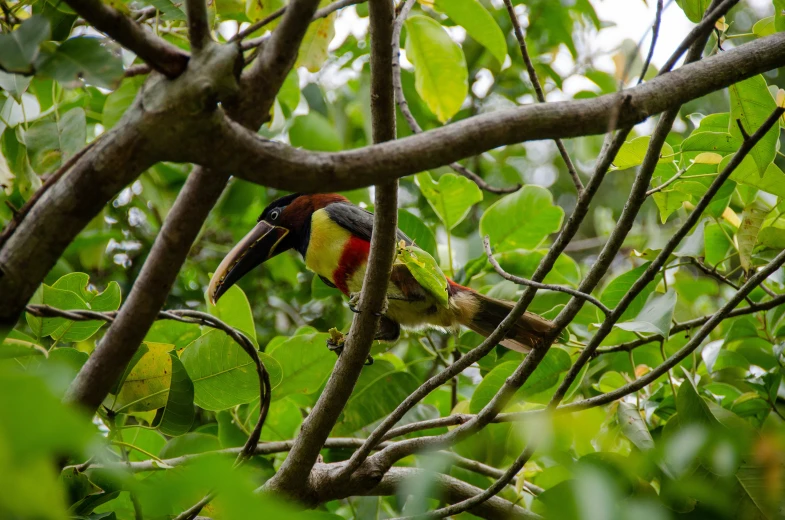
[156, 52]
[538, 90]
[245, 154]
[293, 474]
[198, 24]
[543, 286]
[655, 32]
[403, 105]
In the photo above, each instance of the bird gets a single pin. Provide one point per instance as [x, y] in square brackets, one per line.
[334, 238]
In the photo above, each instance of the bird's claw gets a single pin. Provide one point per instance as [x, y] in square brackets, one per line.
[336, 341]
[354, 301]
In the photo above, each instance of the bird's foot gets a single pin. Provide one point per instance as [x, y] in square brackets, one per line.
[354, 302]
[336, 341]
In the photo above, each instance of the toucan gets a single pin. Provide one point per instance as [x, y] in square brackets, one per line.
[334, 238]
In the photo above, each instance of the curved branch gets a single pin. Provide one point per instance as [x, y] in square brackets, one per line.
[655, 33]
[277, 165]
[161, 55]
[542, 286]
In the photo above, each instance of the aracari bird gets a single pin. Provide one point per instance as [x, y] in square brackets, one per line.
[333, 236]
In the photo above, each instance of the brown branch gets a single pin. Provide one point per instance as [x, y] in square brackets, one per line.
[278, 165]
[156, 52]
[198, 24]
[403, 105]
[542, 286]
[292, 477]
[576, 180]
[655, 33]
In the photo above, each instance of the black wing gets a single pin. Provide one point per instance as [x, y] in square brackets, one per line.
[356, 220]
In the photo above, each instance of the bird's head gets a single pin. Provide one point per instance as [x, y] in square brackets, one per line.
[283, 225]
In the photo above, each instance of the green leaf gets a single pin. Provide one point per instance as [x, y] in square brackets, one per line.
[289, 95]
[57, 298]
[716, 244]
[415, 228]
[305, 363]
[149, 440]
[545, 376]
[610, 381]
[521, 220]
[282, 421]
[189, 444]
[615, 290]
[764, 27]
[634, 427]
[234, 309]
[425, 270]
[118, 102]
[169, 11]
[222, 373]
[451, 197]
[773, 235]
[19, 48]
[656, 315]
[313, 49]
[73, 331]
[523, 263]
[694, 9]
[380, 389]
[178, 415]
[314, 132]
[440, 73]
[478, 22]
[669, 201]
[49, 144]
[147, 384]
[83, 58]
[691, 406]
[14, 84]
[631, 153]
[747, 236]
[772, 181]
[751, 104]
[779, 15]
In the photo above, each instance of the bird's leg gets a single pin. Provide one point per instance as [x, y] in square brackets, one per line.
[354, 301]
[336, 342]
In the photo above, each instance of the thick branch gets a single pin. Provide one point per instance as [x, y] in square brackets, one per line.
[245, 153]
[198, 23]
[159, 54]
[295, 470]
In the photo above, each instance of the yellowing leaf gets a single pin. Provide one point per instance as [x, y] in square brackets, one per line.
[313, 51]
[147, 385]
[708, 158]
[747, 236]
[440, 73]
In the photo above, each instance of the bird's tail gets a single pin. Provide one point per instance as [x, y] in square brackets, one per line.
[530, 331]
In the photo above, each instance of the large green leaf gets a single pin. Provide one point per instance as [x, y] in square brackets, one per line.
[655, 317]
[615, 290]
[314, 132]
[440, 73]
[425, 271]
[14, 84]
[19, 48]
[380, 389]
[634, 427]
[85, 58]
[178, 414]
[691, 406]
[631, 153]
[57, 298]
[751, 103]
[415, 228]
[523, 263]
[222, 373]
[545, 376]
[478, 22]
[451, 197]
[694, 9]
[234, 309]
[521, 220]
[109, 300]
[50, 143]
[772, 181]
[305, 363]
[147, 384]
[120, 100]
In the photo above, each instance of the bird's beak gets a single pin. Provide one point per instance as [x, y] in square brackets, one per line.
[255, 248]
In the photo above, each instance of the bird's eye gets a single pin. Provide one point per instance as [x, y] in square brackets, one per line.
[274, 214]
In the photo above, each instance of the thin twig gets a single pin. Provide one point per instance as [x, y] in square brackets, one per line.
[576, 180]
[665, 184]
[403, 105]
[655, 32]
[542, 286]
